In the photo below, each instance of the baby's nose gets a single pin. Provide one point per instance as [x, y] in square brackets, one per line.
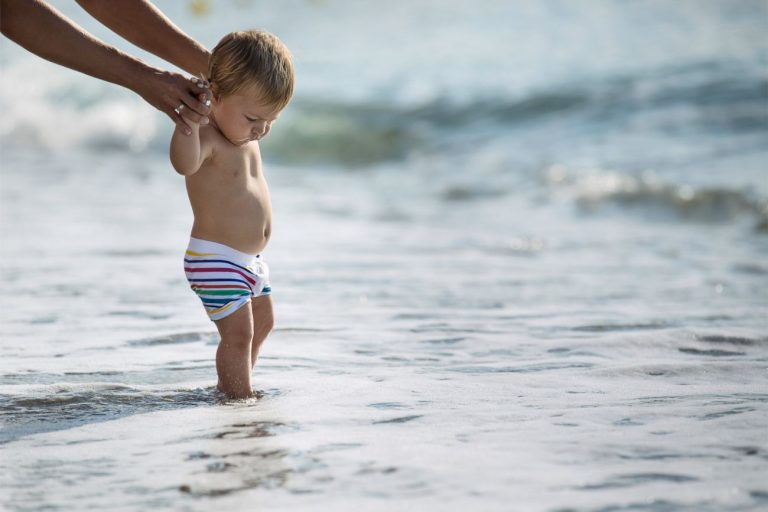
[260, 129]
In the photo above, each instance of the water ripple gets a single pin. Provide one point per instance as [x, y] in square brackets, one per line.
[65, 407]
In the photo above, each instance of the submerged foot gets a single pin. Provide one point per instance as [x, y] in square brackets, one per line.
[238, 395]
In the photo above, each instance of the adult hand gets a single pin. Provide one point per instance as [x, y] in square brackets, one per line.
[44, 31]
[184, 100]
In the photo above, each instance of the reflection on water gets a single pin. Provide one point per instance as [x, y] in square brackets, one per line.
[245, 469]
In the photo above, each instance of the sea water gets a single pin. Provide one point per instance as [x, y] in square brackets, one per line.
[519, 263]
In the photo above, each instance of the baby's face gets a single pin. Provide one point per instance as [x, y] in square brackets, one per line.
[243, 118]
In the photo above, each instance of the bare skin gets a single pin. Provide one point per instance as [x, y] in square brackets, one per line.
[242, 334]
[231, 205]
[44, 31]
[141, 23]
[264, 318]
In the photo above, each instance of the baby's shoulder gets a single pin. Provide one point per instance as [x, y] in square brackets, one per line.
[213, 144]
[210, 136]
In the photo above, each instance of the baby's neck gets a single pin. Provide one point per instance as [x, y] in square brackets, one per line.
[212, 121]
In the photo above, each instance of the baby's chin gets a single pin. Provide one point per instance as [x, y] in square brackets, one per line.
[243, 142]
[238, 142]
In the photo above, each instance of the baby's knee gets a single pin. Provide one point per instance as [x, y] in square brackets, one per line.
[240, 337]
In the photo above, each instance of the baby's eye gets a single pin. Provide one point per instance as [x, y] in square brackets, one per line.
[250, 119]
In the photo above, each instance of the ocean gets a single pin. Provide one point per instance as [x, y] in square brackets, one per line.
[518, 263]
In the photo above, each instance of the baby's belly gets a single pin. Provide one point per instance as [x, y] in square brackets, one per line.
[243, 223]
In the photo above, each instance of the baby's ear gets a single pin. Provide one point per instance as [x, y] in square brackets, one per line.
[215, 90]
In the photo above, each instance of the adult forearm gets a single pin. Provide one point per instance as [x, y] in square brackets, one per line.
[147, 27]
[42, 30]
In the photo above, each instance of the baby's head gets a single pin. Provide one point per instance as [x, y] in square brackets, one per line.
[251, 75]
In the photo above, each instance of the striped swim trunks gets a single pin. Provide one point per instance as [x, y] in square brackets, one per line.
[224, 278]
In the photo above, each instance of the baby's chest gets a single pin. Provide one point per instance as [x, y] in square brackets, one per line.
[236, 170]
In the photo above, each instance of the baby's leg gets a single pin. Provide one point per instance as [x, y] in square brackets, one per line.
[263, 321]
[234, 353]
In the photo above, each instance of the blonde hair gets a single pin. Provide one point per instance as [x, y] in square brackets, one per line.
[253, 59]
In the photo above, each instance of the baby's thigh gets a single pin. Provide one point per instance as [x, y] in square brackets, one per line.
[236, 326]
[263, 316]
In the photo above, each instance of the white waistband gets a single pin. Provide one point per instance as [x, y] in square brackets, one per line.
[208, 247]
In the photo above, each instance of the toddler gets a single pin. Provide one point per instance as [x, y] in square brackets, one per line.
[251, 80]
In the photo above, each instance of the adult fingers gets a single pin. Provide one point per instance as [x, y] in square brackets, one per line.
[195, 96]
[186, 102]
[181, 123]
[176, 114]
[193, 116]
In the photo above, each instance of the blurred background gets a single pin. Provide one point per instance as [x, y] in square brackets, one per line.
[508, 198]
[608, 135]
[621, 88]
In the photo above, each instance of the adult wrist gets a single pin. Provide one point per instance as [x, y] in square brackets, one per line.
[137, 75]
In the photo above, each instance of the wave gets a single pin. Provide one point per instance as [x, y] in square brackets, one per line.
[730, 340]
[63, 406]
[724, 97]
[706, 98]
[177, 338]
[648, 194]
[355, 134]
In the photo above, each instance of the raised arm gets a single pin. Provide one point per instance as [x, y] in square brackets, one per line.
[44, 31]
[188, 153]
[144, 25]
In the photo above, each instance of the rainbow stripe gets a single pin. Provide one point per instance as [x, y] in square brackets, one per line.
[224, 285]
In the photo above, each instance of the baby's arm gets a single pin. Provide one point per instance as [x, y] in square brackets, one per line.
[188, 152]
